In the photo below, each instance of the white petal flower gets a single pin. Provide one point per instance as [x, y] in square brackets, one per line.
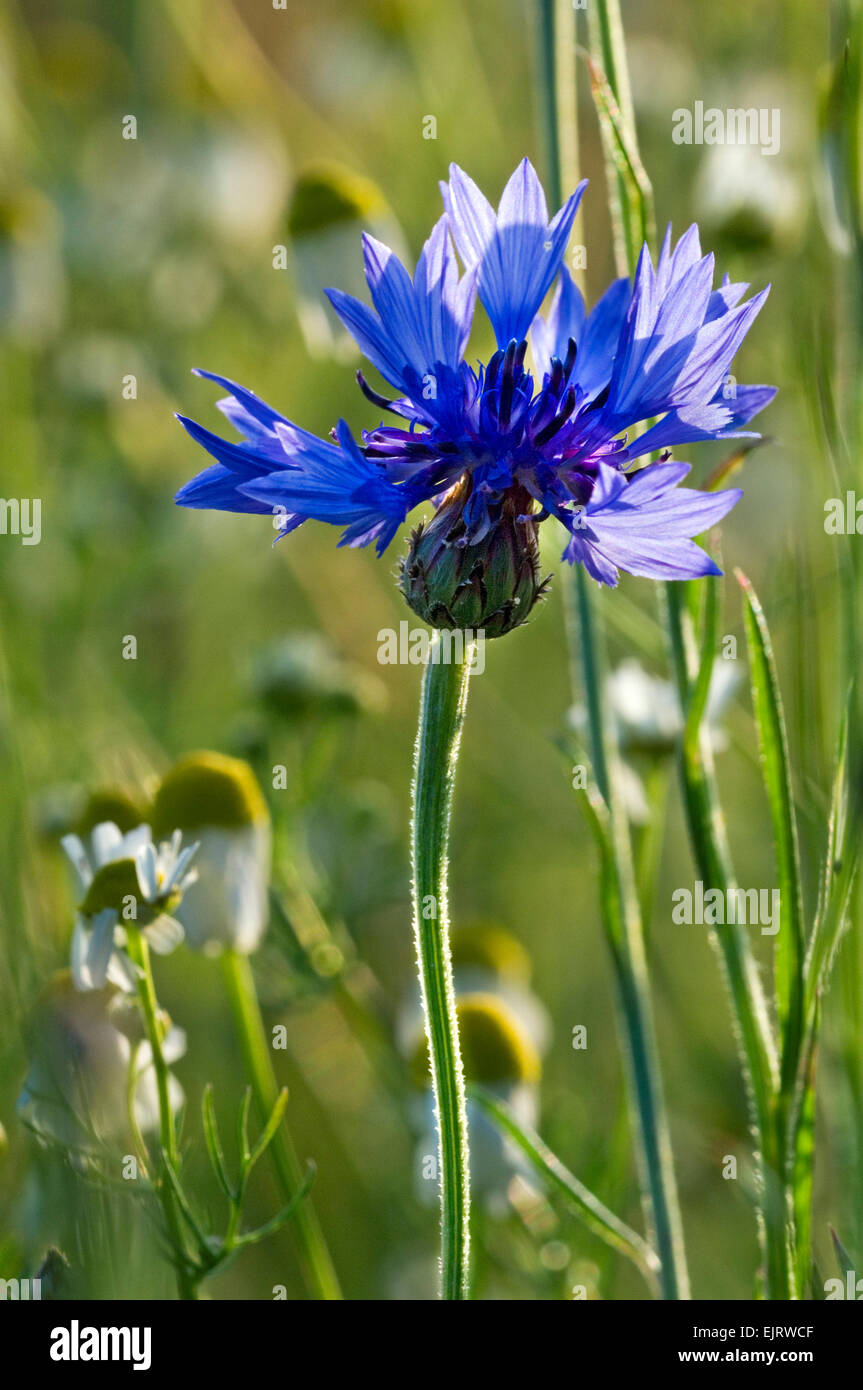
[646, 710]
[229, 903]
[153, 877]
[80, 1050]
[217, 801]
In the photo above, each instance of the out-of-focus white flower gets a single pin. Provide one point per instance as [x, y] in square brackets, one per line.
[124, 878]
[646, 714]
[217, 799]
[330, 207]
[497, 1053]
[88, 1055]
[646, 710]
[748, 199]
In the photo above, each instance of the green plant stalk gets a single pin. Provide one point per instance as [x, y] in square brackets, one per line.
[622, 921]
[443, 700]
[756, 1044]
[139, 951]
[701, 801]
[841, 394]
[315, 1259]
[630, 196]
[621, 916]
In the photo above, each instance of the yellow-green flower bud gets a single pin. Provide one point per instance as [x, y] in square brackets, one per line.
[491, 950]
[204, 789]
[326, 194]
[495, 1049]
[303, 675]
[116, 804]
[329, 209]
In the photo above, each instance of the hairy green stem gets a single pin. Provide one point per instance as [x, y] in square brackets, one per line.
[318, 1269]
[443, 701]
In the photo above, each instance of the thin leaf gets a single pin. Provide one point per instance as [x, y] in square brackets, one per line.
[214, 1143]
[588, 1207]
[734, 462]
[269, 1131]
[277, 1222]
[840, 864]
[843, 1259]
[243, 1126]
[186, 1208]
[701, 689]
[804, 1158]
[773, 743]
[598, 817]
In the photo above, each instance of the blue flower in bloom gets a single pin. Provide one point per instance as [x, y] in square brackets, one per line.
[499, 445]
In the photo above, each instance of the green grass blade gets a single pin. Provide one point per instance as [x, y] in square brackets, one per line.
[846, 1262]
[840, 865]
[630, 191]
[594, 1213]
[776, 768]
[804, 1158]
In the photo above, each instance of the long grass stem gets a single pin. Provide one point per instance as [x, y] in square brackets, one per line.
[317, 1265]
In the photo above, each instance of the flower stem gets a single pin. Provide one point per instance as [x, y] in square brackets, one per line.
[442, 708]
[623, 925]
[707, 833]
[620, 907]
[318, 1269]
[140, 953]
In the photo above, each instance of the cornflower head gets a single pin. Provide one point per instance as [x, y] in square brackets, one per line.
[124, 878]
[498, 448]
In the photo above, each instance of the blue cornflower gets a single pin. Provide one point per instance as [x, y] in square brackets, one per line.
[499, 448]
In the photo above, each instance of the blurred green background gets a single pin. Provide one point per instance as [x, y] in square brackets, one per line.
[154, 255]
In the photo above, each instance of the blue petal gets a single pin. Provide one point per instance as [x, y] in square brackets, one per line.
[367, 330]
[241, 459]
[417, 326]
[337, 484]
[678, 338]
[217, 488]
[254, 407]
[718, 419]
[517, 251]
[645, 525]
[566, 319]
